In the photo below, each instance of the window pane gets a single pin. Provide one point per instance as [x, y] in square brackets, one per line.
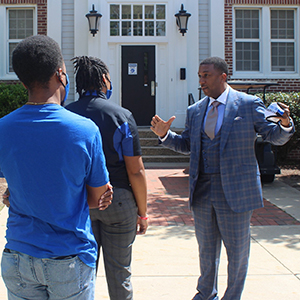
[247, 23]
[114, 11]
[149, 28]
[11, 48]
[126, 28]
[160, 12]
[138, 28]
[137, 11]
[282, 24]
[149, 11]
[160, 28]
[137, 20]
[12, 14]
[239, 33]
[283, 56]
[20, 23]
[21, 14]
[114, 28]
[247, 56]
[126, 11]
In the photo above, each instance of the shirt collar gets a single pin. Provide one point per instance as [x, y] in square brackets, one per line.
[222, 98]
[94, 93]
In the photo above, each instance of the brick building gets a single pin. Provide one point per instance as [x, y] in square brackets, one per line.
[259, 39]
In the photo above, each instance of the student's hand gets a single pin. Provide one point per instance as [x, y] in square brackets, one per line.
[106, 198]
[142, 225]
[161, 127]
[5, 198]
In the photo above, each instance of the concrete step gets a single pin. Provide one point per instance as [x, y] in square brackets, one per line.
[152, 151]
[159, 150]
[146, 133]
[166, 158]
[149, 142]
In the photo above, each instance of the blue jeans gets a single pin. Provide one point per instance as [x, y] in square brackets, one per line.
[28, 277]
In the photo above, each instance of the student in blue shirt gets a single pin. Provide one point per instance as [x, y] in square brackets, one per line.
[54, 165]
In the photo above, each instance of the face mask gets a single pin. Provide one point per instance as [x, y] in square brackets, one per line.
[109, 92]
[67, 88]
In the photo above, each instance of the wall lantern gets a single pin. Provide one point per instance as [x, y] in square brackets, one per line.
[182, 18]
[93, 18]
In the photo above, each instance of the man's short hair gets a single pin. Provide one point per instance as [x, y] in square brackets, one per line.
[36, 59]
[219, 63]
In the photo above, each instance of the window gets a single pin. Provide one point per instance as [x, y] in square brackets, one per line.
[283, 40]
[137, 20]
[247, 40]
[264, 50]
[20, 26]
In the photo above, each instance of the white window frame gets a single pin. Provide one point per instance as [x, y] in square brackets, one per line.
[265, 44]
[138, 39]
[4, 37]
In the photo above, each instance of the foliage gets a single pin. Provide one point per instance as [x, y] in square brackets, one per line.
[293, 101]
[12, 96]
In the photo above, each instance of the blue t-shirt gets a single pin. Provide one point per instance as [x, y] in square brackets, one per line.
[48, 155]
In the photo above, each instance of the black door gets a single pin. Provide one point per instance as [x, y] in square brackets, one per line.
[138, 82]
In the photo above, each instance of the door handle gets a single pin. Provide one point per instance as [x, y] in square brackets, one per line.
[152, 88]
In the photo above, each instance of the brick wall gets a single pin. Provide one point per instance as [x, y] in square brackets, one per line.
[41, 12]
[285, 85]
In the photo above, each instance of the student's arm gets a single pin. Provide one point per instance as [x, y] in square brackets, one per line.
[99, 197]
[137, 178]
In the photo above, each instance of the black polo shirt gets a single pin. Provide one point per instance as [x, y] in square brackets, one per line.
[118, 130]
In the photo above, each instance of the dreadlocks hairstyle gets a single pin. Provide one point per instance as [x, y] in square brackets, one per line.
[36, 59]
[89, 73]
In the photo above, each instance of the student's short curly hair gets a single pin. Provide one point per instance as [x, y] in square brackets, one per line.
[36, 59]
[219, 63]
[89, 72]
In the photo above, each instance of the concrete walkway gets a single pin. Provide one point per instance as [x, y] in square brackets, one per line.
[165, 260]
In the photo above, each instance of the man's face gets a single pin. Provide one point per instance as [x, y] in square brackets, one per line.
[212, 81]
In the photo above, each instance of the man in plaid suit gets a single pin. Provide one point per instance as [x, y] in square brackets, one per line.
[224, 179]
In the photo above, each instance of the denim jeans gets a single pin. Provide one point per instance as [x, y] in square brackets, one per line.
[28, 277]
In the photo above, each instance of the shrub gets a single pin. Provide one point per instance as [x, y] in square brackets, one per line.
[292, 100]
[12, 96]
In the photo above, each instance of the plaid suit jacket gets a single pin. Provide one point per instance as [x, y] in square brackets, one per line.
[243, 120]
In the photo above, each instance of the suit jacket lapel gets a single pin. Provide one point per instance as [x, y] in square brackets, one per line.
[230, 113]
[199, 117]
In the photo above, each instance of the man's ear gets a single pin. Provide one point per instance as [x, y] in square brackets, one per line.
[59, 74]
[224, 76]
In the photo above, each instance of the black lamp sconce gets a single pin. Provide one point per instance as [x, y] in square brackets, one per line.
[93, 17]
[182, 18]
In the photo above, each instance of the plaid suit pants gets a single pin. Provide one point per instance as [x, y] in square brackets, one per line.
[216, 222]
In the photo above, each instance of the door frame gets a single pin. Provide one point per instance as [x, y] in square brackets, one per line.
[132, 109]
[165, 91]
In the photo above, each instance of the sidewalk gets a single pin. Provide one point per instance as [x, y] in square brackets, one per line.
[165, 260]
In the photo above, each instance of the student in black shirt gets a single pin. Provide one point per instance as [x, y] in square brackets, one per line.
[116, 227]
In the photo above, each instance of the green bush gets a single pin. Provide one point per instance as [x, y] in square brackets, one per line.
[292, 100]
[12, 96]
